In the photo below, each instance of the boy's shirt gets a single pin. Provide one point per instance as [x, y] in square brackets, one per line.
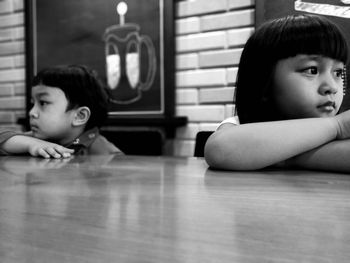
[90, 142]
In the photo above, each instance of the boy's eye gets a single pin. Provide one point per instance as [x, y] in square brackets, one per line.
[43, 103]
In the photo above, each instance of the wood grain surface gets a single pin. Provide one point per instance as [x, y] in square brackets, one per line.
[166, 209]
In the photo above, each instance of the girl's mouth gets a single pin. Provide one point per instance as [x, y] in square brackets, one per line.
[328, 106]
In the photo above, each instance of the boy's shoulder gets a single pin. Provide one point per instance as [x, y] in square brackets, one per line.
[7, 134]
[92, 142]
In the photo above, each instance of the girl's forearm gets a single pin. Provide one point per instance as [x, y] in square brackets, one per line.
[258, 145]
[333, 156]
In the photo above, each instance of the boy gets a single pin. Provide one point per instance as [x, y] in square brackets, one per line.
[69, 106]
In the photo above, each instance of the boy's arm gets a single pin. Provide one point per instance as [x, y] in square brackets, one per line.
[258, 145]
[25, 144]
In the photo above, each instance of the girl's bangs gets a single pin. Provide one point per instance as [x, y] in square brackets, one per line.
[316, 37]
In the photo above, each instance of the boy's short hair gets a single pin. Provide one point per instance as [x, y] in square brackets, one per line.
[81, 86]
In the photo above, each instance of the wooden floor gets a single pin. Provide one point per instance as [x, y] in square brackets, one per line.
[163, 209]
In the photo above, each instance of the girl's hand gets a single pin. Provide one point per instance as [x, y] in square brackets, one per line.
[48, 150]
[343, 123]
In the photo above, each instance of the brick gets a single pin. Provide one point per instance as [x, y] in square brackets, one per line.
[187, 61]
[20, 88]
[6, 117]
[9, 48]
[7, 34]
[201, 78]
[18, 5]
[19, 61]
[231, 74]
[12, 103]
[7, 62]
[236, 4]
[20, 114]
[6, 89]
[12, 75]
[6, 6]
[204, 41]
[18, 33]
[238, 37]
[184, 147]
[12, 20]
[228, 20]
[12, 127]
[229, 110]
[207, 113]
[196, 7]
[229, 57]
[216, 95]
[187, 132]
[208, 126]
[187, 26]
[186, 96]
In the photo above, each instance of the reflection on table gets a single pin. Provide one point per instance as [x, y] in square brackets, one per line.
[166, 209]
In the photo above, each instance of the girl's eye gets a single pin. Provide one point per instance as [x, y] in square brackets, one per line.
[339, 73]
[311, 70]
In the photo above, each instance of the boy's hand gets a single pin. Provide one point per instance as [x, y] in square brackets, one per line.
[343, 121]
[48, 150]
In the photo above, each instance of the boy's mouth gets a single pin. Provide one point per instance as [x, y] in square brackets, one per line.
[34, 127]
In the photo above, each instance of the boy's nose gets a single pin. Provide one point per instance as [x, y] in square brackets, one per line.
[33, 114]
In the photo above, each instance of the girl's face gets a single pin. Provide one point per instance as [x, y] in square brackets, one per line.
[49, 119]
[307, 86]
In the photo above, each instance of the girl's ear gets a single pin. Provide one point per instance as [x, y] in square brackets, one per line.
[82, 115]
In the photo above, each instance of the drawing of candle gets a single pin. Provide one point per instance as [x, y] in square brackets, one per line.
[123, 45]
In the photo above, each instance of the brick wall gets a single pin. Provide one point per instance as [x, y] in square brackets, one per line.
[209, 40]
[12, 63]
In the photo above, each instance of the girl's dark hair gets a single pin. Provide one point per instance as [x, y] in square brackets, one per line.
[275, 40]
[81, 86]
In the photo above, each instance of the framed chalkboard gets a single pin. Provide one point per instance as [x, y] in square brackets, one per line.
[337, 11]
[130, 44]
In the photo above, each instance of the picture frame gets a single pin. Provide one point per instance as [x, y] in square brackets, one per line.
[338, 11]
[132, 52]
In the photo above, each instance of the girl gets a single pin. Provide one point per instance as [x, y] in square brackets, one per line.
[289, 90]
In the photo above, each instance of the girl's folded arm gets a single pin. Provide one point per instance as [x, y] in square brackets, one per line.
[333, 156]
[258, 145]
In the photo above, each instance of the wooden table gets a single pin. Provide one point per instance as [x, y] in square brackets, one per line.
[163, 209]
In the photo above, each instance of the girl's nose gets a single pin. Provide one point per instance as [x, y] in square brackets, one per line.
[330, 86]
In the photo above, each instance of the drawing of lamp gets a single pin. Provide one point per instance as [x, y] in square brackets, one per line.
[123, 51]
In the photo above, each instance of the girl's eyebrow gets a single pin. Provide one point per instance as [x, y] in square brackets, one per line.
[316, 58]
[310, 57]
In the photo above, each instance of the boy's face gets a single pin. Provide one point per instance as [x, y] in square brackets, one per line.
[307, 86]
[49, 119]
